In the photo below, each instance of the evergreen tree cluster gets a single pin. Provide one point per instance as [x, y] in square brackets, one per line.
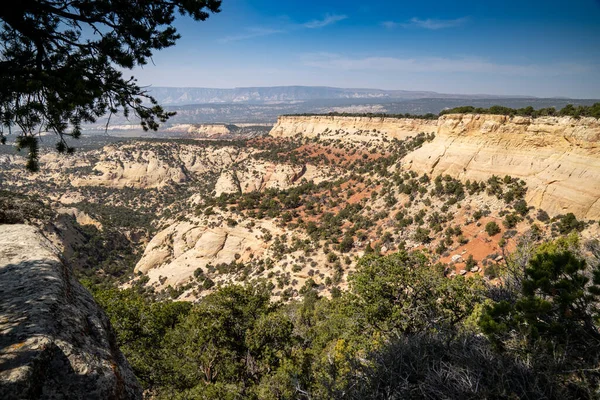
[402, 330]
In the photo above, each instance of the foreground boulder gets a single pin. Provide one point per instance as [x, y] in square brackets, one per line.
[55, 342]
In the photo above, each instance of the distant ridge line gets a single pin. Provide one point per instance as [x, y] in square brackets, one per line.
[288, 94]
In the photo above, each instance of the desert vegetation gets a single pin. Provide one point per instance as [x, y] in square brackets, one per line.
[320, 267]
[311, 206]
[388, 335]
[568, 111]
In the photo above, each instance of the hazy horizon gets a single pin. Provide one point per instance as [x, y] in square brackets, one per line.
[371, 88]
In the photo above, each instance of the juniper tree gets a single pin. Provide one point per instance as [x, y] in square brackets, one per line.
[61, 63]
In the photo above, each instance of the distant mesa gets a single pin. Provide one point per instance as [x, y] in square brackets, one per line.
[219, 131]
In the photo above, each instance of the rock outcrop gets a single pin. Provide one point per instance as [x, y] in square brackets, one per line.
[155, 166]
[351, 128]
[81, 217]
[55, 342]
[177, 251]
[260, 175]
[219, 131]
[201, 130]
[558, 157]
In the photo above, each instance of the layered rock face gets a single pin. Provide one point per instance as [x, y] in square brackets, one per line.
[558, 157]
[201, 130]
[220, 131]
[353, 128]
[55, 342]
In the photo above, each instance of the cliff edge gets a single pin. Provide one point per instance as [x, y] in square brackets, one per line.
[558, 157]
[55, 342]
[353, 128]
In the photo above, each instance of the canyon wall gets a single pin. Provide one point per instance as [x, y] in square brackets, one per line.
[357, 127]
[201, 130]
[558, 157]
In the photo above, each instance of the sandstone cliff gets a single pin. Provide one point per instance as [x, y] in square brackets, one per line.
[219, 131]
[558, 157]
[55, 342]
[201, 130]
[352, 128]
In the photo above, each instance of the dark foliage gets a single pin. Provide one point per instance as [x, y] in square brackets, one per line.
[568, 110]
[20, 209]
[62, 60]
[439, 367]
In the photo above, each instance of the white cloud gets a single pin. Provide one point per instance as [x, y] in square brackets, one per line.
[251, 33]
[437, 23]
[328, 20]
[439, 64]
[389, 24]
[255, 32]
[429, 23]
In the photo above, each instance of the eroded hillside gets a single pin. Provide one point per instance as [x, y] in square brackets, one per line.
[299, 209]
[558, 157]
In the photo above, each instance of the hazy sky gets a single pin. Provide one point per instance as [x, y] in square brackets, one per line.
[529, 47]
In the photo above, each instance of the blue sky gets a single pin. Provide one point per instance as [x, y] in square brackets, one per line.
[542, 48]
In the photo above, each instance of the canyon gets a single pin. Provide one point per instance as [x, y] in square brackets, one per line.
[294, 212]
[202, 213]
[558, 157]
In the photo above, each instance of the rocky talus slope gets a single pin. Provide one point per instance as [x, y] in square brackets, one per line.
[558, 157]
[55, 343]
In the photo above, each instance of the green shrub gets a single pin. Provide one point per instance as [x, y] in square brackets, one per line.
[492, 228]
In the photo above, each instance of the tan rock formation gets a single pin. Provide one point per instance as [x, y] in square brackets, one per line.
[81, 217]
[351, 128]
[201, 130]
[268, 175]
[55, 342]
[176, 252]
[558, 158]
[155, 166]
